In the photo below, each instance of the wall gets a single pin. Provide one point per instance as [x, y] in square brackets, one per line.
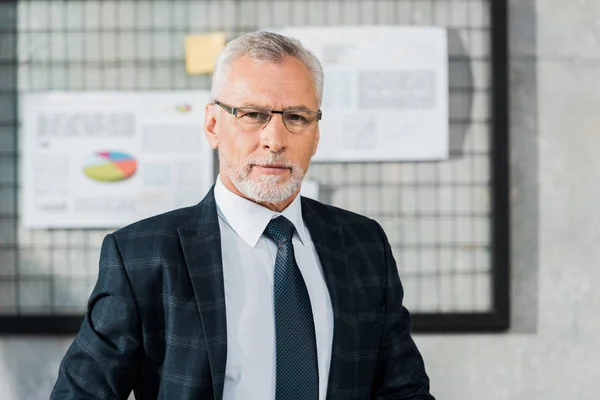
[560, 359]
[553, 351]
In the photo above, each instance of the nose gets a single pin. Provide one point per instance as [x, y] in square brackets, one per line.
[274, 136]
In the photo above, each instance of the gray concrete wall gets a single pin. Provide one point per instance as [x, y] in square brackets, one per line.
[553, 351]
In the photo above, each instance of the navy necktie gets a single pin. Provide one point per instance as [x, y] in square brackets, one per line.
[297, 371]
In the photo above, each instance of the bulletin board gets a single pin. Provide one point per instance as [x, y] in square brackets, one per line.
[447, 221]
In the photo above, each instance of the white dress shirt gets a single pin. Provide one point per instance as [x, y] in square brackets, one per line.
[248, 269]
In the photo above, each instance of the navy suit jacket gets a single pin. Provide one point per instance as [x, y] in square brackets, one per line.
[156, 325]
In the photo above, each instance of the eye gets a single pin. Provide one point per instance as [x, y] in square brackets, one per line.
[296, 118]
[254, 115]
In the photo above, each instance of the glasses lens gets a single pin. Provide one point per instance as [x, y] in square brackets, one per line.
[299, 121]
[253, 117]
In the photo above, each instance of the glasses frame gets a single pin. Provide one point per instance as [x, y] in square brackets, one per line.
[234, 110]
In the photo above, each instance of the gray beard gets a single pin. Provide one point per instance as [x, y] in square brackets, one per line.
[270, 188]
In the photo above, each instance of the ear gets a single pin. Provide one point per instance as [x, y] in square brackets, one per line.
[210, 123]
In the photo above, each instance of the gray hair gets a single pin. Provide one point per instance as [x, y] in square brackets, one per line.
[264, 46]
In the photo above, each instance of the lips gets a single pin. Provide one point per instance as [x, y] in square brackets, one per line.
[272, 166]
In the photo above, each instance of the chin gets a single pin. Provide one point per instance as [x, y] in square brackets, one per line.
[271, 179]
[270, 189]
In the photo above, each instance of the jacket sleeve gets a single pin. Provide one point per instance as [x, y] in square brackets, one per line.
[400, 373]
[102, 362]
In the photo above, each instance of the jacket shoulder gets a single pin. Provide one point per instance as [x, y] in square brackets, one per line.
[336, 217]
[162, 224]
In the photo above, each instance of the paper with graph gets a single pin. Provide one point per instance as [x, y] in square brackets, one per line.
[386, 91]
[106, 159]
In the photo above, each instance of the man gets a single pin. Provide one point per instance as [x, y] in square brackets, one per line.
[256, 292]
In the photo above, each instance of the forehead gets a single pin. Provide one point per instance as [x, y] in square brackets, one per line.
[270, 84]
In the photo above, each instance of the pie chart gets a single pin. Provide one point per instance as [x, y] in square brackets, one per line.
[110, 166]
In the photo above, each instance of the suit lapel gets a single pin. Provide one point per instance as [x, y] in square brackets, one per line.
[201, 243]
[329, 243]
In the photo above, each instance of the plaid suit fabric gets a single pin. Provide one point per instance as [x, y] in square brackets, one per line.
[156, 318]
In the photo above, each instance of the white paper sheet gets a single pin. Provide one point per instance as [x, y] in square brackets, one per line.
[386, 91]
[106, 159]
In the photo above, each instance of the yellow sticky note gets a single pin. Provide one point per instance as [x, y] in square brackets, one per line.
[201, 52]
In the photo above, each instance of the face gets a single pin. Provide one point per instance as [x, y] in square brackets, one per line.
[266, 165]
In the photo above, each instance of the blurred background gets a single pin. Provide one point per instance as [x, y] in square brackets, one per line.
[497, 243]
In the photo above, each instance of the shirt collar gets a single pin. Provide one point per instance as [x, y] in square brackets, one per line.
[249, 219]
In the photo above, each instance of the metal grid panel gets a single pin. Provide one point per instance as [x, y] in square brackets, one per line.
[442, 218]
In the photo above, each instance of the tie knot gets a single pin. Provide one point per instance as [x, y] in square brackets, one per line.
[280, 230]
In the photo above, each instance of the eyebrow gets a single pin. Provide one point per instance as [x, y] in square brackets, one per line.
[266, 107]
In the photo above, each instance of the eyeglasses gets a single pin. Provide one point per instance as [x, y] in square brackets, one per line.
[253, 119]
